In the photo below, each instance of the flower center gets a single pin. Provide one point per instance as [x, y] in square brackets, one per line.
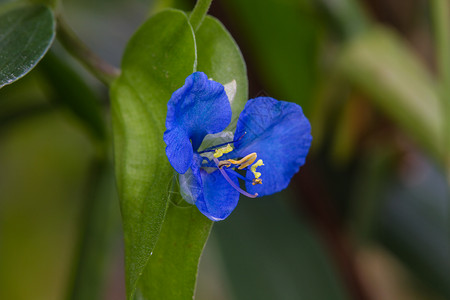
[225, 166]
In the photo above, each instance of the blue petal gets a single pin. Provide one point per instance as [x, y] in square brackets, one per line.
[280, 135]
[219, 198]
[179, 149]
[198, 108]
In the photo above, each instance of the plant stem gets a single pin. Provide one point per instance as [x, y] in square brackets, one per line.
[198, 14]
[441, 19]
[105, 72]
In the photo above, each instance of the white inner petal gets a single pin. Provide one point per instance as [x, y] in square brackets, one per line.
[230, 90]
[211, 140]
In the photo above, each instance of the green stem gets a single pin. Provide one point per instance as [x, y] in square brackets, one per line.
[198, 14]
[105, 72]
[441, 18]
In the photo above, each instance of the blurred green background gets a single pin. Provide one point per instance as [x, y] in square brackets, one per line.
[367, 217]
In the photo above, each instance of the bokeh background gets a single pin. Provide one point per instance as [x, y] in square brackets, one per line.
[367, 217]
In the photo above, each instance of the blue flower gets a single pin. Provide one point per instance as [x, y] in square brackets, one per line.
[271, 141]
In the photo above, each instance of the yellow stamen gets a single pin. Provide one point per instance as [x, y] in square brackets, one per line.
[256, 181]
[244, 162]
[221, 151]
[255, 165]
[247, 161]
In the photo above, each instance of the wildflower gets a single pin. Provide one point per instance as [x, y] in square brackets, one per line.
[271, 141]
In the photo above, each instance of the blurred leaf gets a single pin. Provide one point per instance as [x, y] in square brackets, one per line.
[327, 108]
[441, 18]
[380, 64]
[345, 17]
[220, 58]
[269, 254]
[50, 3]
[23, 100]
[26, 34]
[100, 227]
[352, 124]
[45, 160]
[370, 184]
[414, 224]
[70, 90]
[172, 271]
[282, 38]
[156, 62]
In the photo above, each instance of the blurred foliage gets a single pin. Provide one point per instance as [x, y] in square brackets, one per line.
[367, 215]
[45, 160]
[73, 93]
[251, 244]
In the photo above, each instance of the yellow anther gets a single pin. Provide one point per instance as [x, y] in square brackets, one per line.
[255, 165]
[247, 161]
[242, 163]
[256, 181]
[221, 151]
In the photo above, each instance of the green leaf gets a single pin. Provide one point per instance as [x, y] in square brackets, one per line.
[156, 62]
[380, 64]
[163, 249]
[220, 58]
[26, 33]
[172, 271]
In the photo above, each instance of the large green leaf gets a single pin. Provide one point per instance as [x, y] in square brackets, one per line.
[380, 64]
[157, 60]
[26, 33]
[172, 271]
[163, 250]
[220, 58]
